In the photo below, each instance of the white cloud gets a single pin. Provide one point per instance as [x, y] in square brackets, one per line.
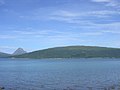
[112, 31]
[112, 3]
[34, 32]
[103, 13]
[101, 0]
[83, 18]
[65, 13]
[47, 34]
[57, 37]
[111, 26]
[7, 37]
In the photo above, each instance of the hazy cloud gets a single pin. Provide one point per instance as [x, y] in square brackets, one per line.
[7, 37]
[101, 0]
[112, 3]
[83, 18]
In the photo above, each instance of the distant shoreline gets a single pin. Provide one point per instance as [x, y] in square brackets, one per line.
[60, 58]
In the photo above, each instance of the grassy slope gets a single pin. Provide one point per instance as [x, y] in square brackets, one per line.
[4, 55]
[73, 52]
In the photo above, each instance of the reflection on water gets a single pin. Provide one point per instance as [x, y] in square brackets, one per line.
[62, 74]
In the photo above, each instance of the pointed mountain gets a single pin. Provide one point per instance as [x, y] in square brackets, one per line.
[19, 51]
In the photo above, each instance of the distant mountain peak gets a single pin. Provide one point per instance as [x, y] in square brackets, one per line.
[19, 51]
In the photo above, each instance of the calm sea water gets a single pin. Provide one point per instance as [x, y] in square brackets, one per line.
[60, 74]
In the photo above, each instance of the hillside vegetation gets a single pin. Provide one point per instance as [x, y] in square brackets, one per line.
[2, 55]
[73, 52]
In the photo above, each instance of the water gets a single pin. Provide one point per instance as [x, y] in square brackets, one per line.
[60, 74]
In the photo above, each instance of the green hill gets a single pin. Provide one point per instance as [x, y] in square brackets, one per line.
[73, 52]
[2, 55]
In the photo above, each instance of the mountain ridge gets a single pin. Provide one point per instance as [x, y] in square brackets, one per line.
[2, 54]
[73, 52]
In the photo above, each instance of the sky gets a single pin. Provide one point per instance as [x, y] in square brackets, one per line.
[39, 24]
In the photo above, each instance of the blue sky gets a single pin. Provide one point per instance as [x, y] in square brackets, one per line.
[39, 24]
